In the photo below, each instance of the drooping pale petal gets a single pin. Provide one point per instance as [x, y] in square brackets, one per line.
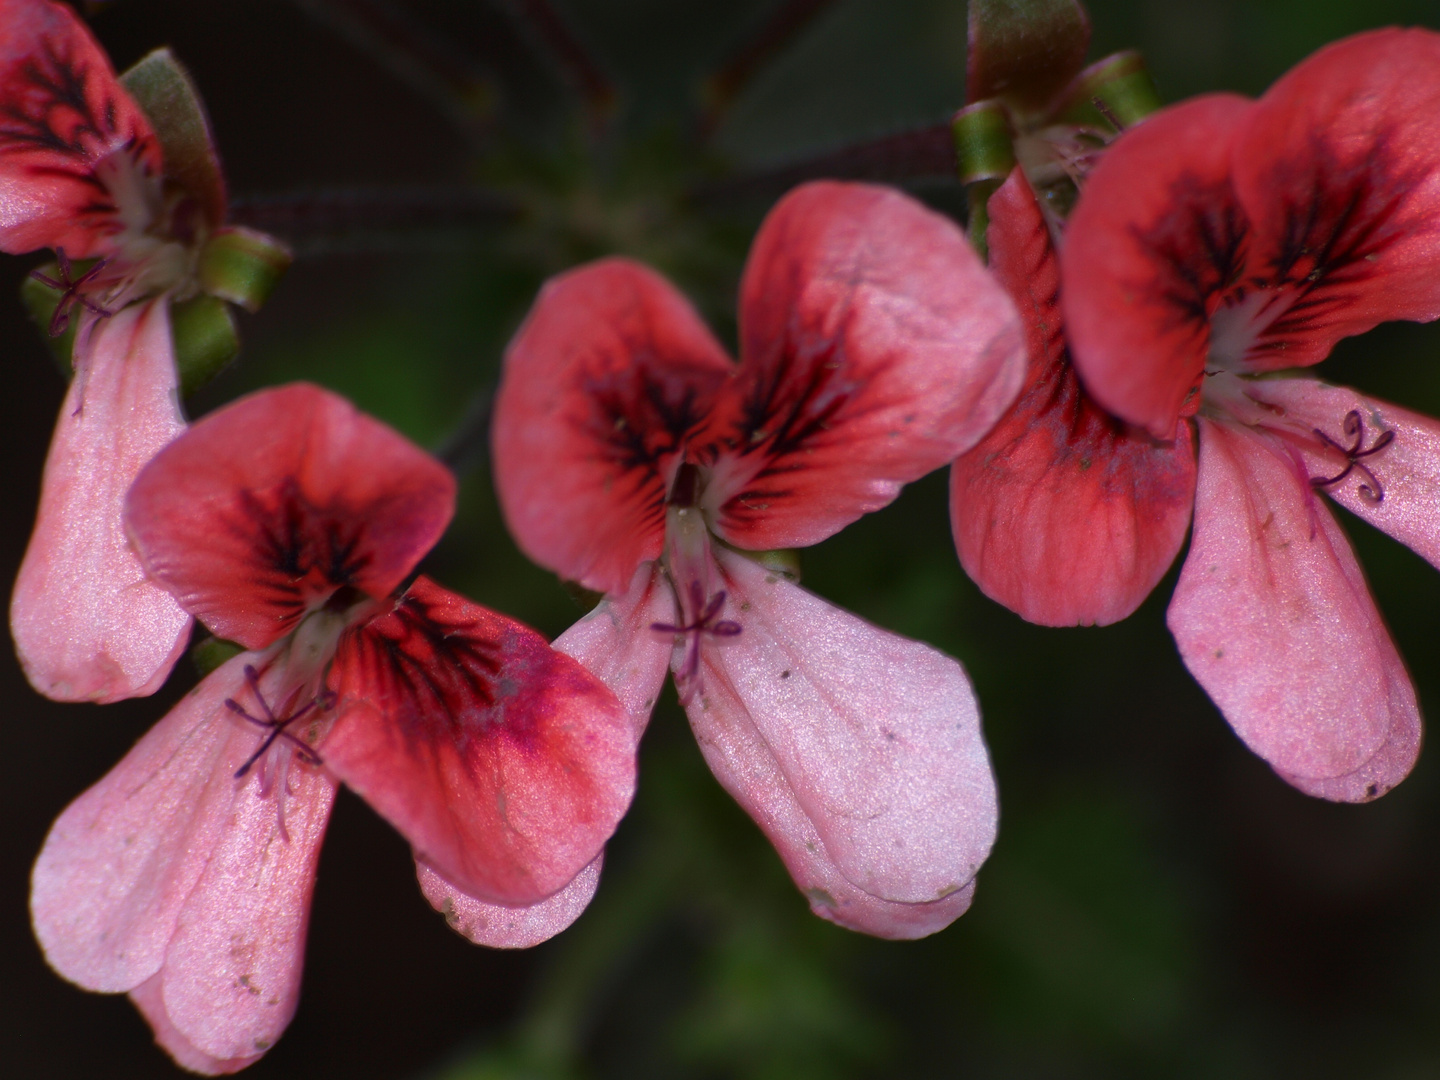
[616, 644]
[270, 504]
[1062, 513]
[88, 626]
[1338, 169]
[505, 763]
[875, 347]
[1274, 619]
[611, 373]
[147, 998]
[1401, 476]
[121, 860]
[876, 738]
[231, 977]
[66, 128]
[170, 868]
[502, 927]
[1156, 236]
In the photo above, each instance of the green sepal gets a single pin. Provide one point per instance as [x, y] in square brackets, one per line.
[209, 653]
[165, 93]
[41, 300]
[588, 599]
[782, 561]
[1121, 83]
[977, 225]
[1024, 51]
[983, 147]
[242, 265]
[205, 340]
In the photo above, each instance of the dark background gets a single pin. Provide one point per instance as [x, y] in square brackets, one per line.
[1158, 904]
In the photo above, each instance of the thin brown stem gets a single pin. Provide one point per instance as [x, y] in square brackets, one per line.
[770, 38]
[552, 34]
[426, 62]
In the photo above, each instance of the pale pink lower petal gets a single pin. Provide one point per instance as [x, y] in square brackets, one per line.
[88, 626]
[616, 643]
[1274, 619]
[231, 978]
[172, 869]
[876, 738]
[500, 926]
[121, 860]
[147, 998]
[1407, 469]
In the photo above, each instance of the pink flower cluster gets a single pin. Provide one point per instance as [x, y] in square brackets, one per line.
[1103, 381]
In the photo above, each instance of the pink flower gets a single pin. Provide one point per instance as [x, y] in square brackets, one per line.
[1219, 242]
[81, 171]
[284, 522]
[634, 457]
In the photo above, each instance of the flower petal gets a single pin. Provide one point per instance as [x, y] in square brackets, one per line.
[171, 864]
[503, 927]
[1338, 167]
[65, 114]
[231, 978]
[505, 764]
[876, 738]
[87, 625]
[147, 998]
[1156, 235]
[611, 373]
[875, 347]
[616, 644]
[1274, 619]
[1062, 513]
[267, 506]
[1404, 472]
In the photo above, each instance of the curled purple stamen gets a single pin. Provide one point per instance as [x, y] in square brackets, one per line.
[706, 622]
[1370, 489]
[70, 292]
[276, 725]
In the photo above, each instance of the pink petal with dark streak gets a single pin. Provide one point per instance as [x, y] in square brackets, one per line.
[65, 114]
[147, 998]
[501, 927]
[1274, 619]
[1062, 513]
[603, 386]
[88, 626]
[1406, 469]
[1338, 168]
[875, 347]
[1156, 237]
[875, 738]
[505, 764]
[267, 506]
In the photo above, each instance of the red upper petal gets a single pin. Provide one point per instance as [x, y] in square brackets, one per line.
[62, 112]
[504, 763]
[87, 625]
[603, 385]
[1062, 513]
[269, 505]
[1274, 619]
[1338, 168]
[875, 347]
[1156, 236]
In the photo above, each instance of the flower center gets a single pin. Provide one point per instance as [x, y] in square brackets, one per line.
[690, 563]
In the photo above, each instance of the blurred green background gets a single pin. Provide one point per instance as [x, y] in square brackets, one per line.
[1158, 904]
